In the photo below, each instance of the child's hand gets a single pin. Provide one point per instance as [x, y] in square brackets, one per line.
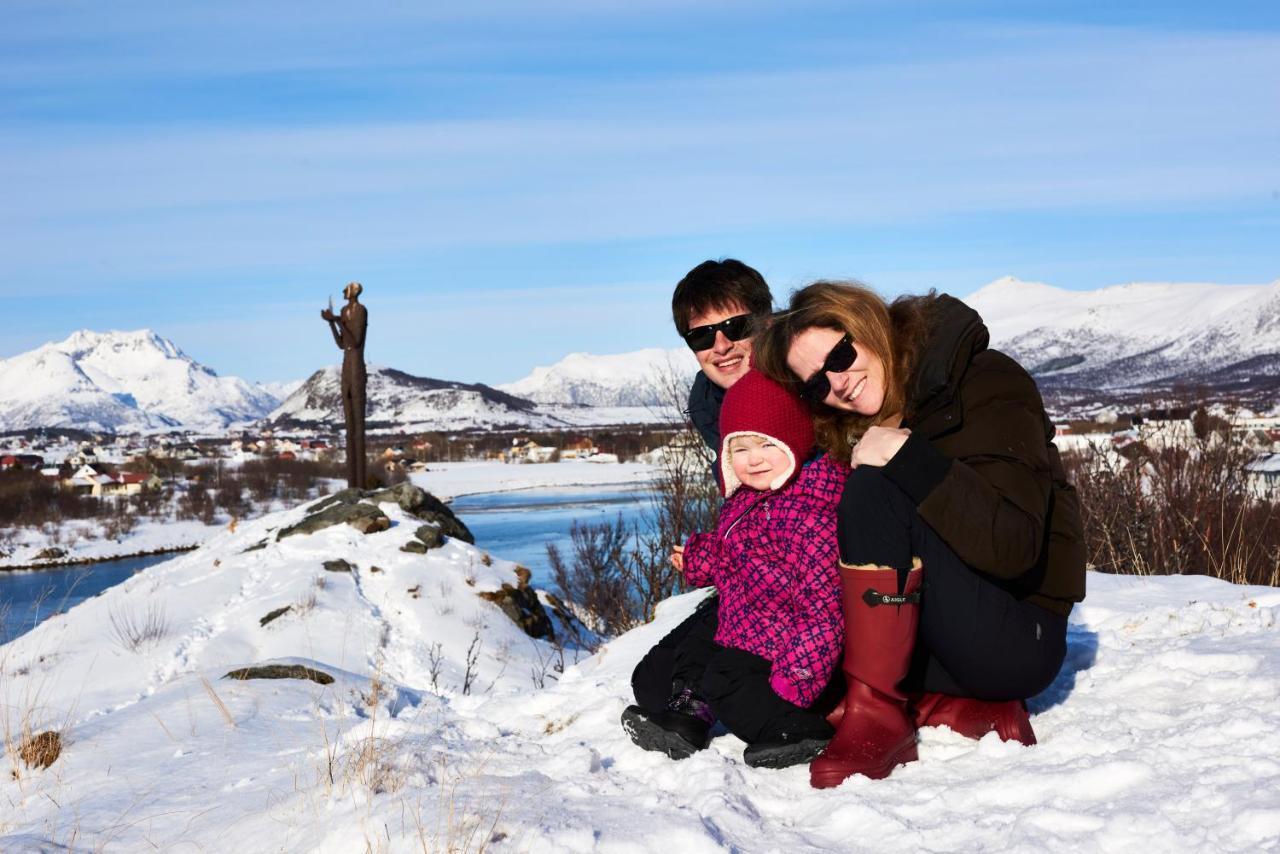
[677, 558]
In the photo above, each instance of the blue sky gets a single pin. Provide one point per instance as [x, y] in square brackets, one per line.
[516, 181]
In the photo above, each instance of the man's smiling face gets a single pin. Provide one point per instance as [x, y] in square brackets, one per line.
[725, 361]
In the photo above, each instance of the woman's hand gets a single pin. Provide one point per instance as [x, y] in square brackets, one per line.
[677, 558]
[879, 445]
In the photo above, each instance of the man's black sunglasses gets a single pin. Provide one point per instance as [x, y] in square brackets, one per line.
[704, 337]
[841, 358]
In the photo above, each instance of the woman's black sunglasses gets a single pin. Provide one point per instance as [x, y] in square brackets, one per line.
[841, 358]
[704, 337]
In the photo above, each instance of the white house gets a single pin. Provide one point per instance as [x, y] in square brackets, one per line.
[87, 480]
[1264, 476]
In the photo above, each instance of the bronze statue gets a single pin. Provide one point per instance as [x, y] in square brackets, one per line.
[348, 328]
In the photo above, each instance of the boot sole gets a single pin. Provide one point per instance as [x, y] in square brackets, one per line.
[784, 755]
[649, 736]
[830, 777]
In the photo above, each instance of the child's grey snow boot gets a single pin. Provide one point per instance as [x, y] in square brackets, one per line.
[679, 730]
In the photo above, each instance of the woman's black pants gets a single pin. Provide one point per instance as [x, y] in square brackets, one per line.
[976, 639]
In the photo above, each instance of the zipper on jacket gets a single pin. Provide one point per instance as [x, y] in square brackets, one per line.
[744, 514]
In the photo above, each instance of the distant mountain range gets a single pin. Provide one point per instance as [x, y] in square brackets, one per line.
[1128, 345]
[139, 382]
[1139, 344]
[582, 390]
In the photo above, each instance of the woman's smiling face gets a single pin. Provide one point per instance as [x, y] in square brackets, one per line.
[858, 389]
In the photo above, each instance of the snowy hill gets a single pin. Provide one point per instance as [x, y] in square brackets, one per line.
[121, 382]
[1161, 733]
[408, 402]
[1136, 340]
[626, 379]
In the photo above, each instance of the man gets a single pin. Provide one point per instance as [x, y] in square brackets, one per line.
[716, 307]
[348, 328]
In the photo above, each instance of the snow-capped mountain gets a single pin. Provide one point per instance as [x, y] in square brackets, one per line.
[626, 379]
[281, 390]
[395, 398]
[121, 382]
[1138, 340]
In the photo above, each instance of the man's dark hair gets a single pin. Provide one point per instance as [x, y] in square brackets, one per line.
[719, 284]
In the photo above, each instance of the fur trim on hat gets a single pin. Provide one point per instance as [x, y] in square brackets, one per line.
[730, 477]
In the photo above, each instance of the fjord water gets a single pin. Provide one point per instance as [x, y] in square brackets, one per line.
[28, 598]
[519, 525]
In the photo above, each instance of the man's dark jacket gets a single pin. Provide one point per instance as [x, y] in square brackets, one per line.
[982, 468]
[705, 400]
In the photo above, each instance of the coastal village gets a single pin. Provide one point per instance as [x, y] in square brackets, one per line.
[110, 466]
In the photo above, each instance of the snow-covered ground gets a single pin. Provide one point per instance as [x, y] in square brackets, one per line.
[447, 481]
[87, 540]
[1162, 733]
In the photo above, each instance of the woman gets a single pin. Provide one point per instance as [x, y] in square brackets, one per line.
[961, 548]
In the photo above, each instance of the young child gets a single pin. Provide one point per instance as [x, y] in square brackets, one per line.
[773, 557]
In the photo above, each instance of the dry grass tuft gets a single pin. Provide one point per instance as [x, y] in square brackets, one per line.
[41, 749]
[371, 762]
[465, 821]
[217, 701]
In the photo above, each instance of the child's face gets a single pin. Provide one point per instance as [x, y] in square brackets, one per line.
[756, 460]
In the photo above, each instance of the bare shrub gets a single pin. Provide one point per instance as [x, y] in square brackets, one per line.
[619, 575]
[133, 631]
[473, 660]
[435, 660]
[306, 603]
[550, 664]
[1179, 509]
[597, 579]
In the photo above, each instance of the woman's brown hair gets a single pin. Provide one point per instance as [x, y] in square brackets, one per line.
[894, 332]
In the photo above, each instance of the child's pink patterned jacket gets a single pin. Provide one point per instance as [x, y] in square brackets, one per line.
[775, 560]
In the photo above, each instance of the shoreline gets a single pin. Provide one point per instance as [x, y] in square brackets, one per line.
[61, 563]
[636, 486]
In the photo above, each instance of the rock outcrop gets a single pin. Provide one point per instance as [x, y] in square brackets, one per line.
[365, 518]
[281, 671]
[520, 603]
[358, 508]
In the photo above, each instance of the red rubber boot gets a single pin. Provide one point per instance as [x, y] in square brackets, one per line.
[975, 718]
[876, 733]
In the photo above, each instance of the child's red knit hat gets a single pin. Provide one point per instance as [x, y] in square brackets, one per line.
[756, 405]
